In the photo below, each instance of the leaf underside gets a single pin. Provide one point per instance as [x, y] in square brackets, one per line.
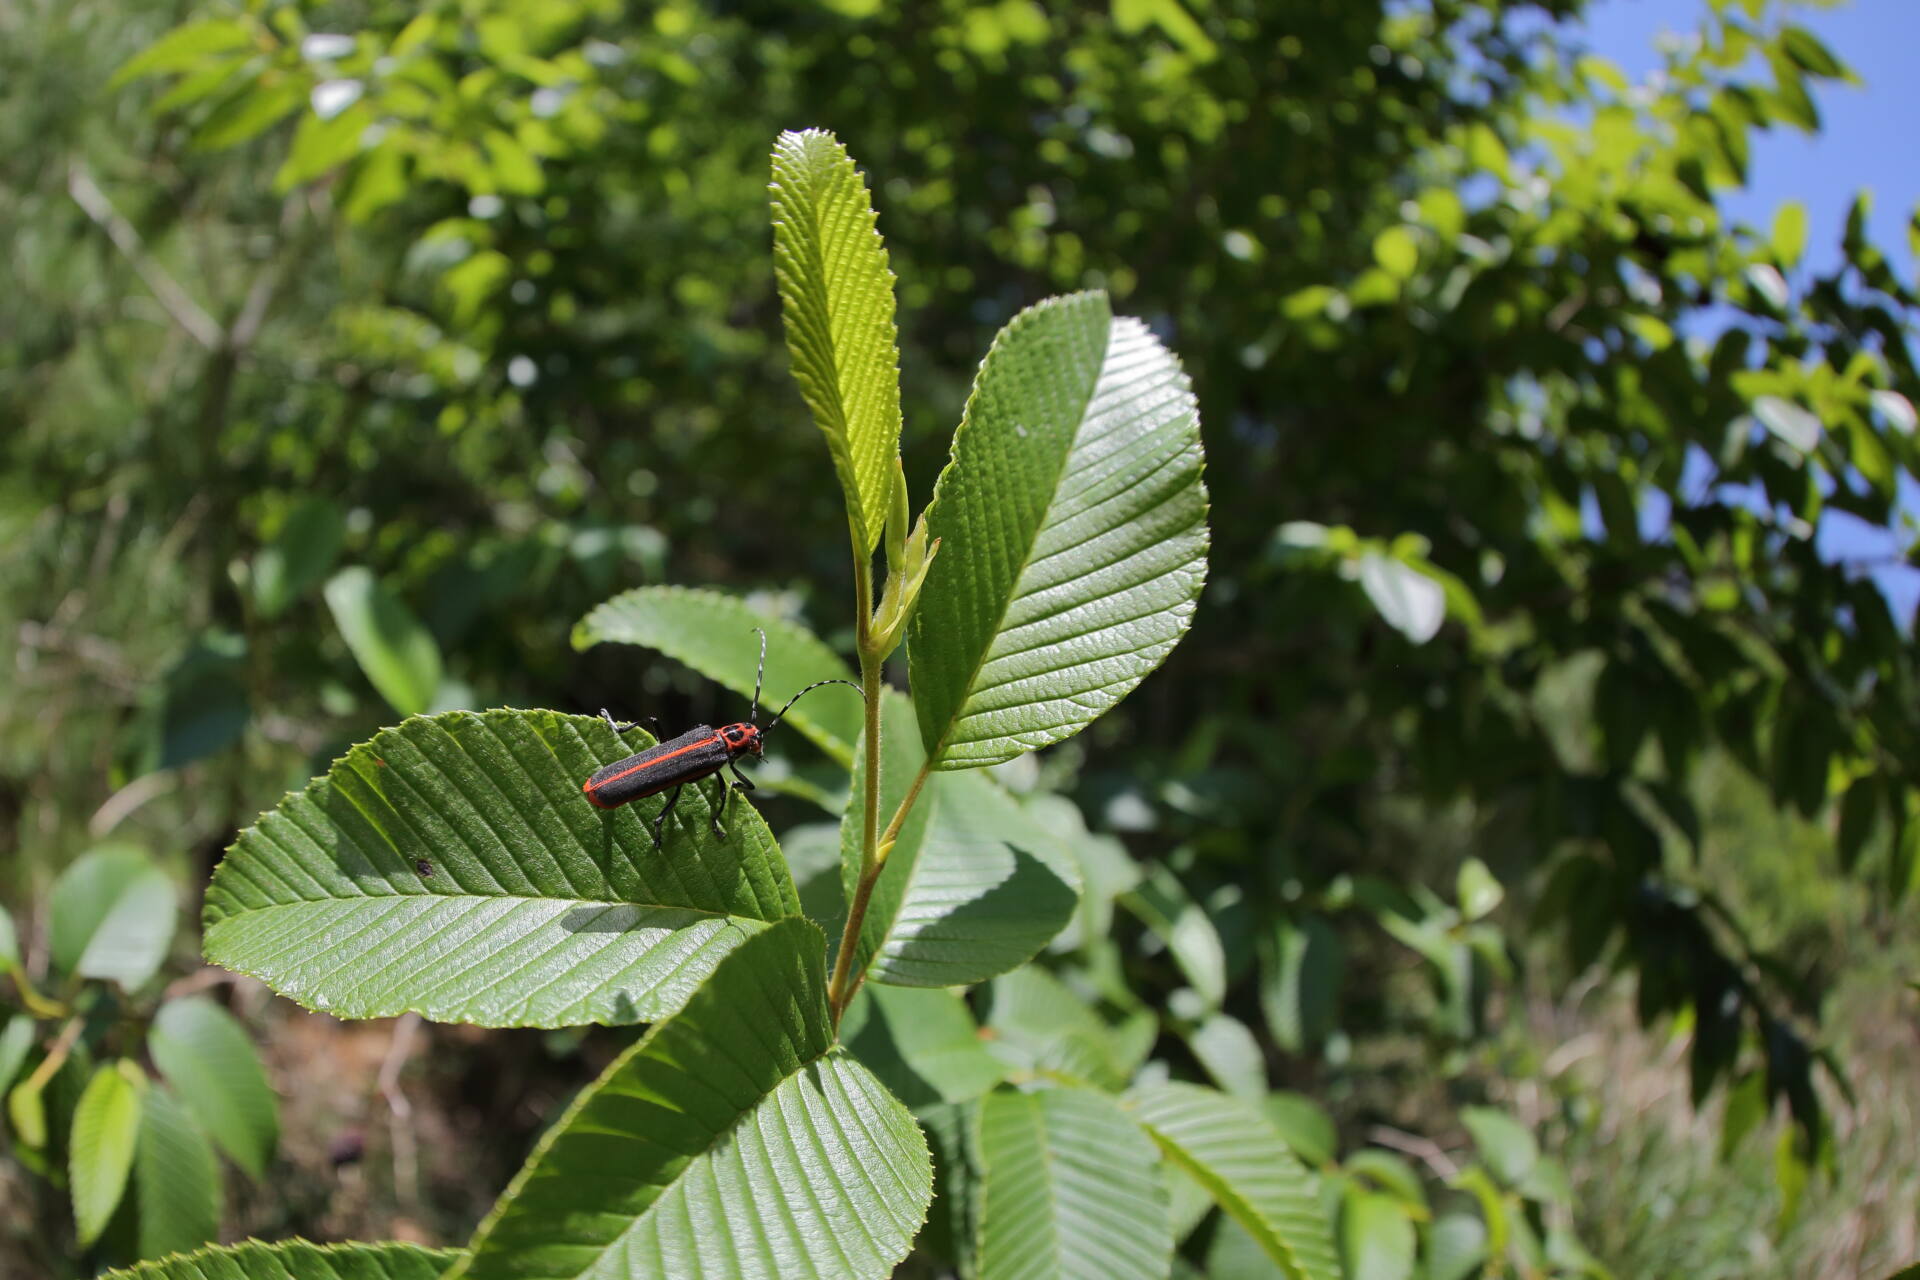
[452, 867]
[176, 1177]
[1071, 1191]
[1073, 527]
[206, 1057]
[713, 633]
[735, 1141]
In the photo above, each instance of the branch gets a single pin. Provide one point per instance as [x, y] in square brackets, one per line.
[185, 311]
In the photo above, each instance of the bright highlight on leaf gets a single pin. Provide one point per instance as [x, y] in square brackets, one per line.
[539, 909]
[733, 1141]
[836, 294]
[1074, 535]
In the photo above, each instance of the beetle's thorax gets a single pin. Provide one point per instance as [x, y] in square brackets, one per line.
[742, 739]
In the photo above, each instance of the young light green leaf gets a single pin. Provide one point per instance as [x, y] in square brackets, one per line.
[1789, 238]
[1476, 890]
[921, 1043]
[176, 1179]
[1042, 1025]
[297, 1260]
[1229, 1147]
[105, 1127]
[1074, 535]
[397, 653]
[113, 916]
[1505, 1144]
[734, 1140]
[206, 1057]
[16, 1042]
[1301, 969]
[1377, 1237]
[1230, 1054]
[1162, 903]
[478, 885]
[1070, 1190]
[836, 295]
[973, 886]
[713, 633]
[10, 958]
[184, 47]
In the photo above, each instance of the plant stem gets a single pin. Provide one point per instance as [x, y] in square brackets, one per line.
[840, 991]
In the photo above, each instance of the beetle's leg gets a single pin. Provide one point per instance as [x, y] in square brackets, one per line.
[660, 819]
[726, 794]
[741, 783]
[615, 725]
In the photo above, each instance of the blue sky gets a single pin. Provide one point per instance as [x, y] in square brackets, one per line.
[1870, 138]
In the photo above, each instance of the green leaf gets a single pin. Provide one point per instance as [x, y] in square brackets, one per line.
[1859, 815]
[1476, 890]
[973, 887]
[1810, 54]
[204, 1054]
[1789, 239]
[105, 1128]
[1788, 421]
[1162, 903]
[205, 706]
[713, 634]
[535, 908]
[951, 1233]
[1376, 1238]
[184, 47]
[1070, 1190]
[113, 917]
[10, 960]
[1505, 1144]
[1229, 1147]
[836, 295]
[16, 1042]
[1456, 1247]
[396, 652]
[1302, 1125]
[1073, 527]
[1231, 1056]
[297, 1260]
[1041, 1025]
[1301, 970]
[734, 1140]
[251, 112]
[1397, 252]
[921, 1043]
[299, 555]
[322, 144]
[1410, 602]
[176, 1179]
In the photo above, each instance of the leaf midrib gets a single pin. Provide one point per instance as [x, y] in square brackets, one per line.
[936, 755]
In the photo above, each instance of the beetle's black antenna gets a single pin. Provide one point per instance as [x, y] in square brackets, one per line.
[815, 685]
[753, 713]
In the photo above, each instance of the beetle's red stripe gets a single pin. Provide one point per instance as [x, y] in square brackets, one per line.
[648, 764]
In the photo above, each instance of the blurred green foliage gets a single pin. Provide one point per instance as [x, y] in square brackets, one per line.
[354, 350]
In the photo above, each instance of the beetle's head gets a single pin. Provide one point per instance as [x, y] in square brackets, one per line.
[743, 738]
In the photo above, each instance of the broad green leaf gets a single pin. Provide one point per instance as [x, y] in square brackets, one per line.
[1303, 1125]
[1789, 239]
[533, 909]
[297, 1260]
[16, 1042]
[1505, 1144]
[713, 634]
[952, 1231]
[1229, 1147]
[1302, 965]
[10, 959]
[1231, 1055]
[105, 1127]
[251, 112]
[1397, 252]
[1411, 603]
[184, 47]
[1389, 1173]
[1069, 1190]
[205, 1055]
[923, 1044]
[299, 555]
[973, 887]
[395, 651]
[1476, 890]
[1456, 1246]
[1162, 903]
[733, 1141]
[1074, 538]
[176, 1179]
[205, 706]
[1042, 1025]
[113, 916]
[836, 295]
[1107, 870]
[1376, 1237]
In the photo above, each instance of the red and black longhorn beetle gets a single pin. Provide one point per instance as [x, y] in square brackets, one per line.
[698, 753]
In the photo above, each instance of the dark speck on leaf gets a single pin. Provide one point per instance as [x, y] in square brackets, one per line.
[424, 867]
